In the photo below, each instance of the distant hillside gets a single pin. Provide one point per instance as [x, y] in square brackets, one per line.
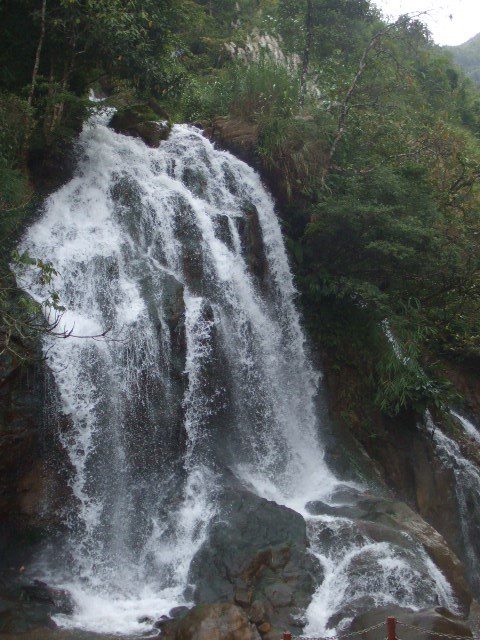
[467, 56]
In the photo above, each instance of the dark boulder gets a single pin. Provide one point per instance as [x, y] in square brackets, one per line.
[239, 136]
[256, 556]
[57, 600]
[142, 121]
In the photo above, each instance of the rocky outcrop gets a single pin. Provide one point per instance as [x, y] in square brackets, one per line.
[144, 121]
[252, 243]
[256, 557]
[433, 621]
[384, 520]
[24, 484]
[239, 136]
[212, 622]
[465, 377]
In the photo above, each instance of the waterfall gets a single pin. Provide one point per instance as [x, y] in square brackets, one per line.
[178, 252]
[466, 487]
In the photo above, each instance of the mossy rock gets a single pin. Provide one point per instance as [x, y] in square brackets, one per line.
[142, 121]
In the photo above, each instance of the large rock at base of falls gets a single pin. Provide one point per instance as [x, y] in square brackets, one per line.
[212, 622]
[437, 620]
[142, 121]
[256, 556]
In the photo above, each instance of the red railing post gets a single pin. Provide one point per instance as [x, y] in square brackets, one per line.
[287, 635]
[391, 628]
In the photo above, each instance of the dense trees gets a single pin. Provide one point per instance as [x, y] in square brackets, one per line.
[369, 128]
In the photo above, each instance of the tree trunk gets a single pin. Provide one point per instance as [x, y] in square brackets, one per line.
[36, 67]
[38, 53]
[345, 106]
[307, 50]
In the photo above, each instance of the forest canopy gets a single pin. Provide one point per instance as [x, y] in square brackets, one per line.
[368, 129]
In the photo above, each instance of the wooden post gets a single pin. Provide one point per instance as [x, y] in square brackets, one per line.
[287, 635]
[391, 628]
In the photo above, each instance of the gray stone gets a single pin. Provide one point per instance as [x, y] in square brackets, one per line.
[280, 595]
[248, 549]
[178, 612]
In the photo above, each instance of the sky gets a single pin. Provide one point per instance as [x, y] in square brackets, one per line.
[450, 21]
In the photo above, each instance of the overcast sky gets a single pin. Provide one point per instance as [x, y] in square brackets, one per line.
[450, 21]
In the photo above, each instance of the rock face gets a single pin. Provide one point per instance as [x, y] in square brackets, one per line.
[240, 136]
[413, 469]
[436, 620]
[256, 556]
[58, 600]
[250, 233]
[23, 483]
[142, 121]
[28, 605]
[212, 622]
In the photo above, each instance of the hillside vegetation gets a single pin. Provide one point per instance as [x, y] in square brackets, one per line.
[467, 56]
[370, 131]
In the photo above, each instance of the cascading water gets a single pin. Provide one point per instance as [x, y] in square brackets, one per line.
[178, 252]
[467, 489]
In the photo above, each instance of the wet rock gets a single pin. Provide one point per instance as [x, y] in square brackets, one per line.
[319, 508]
[173, 305]
[178, 612]
[212, 622]
[164, 620]
[142, 121]
[191, 241]
[29, 497]
[257, 612]
[273, 634]
[397, 515]
[222, 231]
[437, 620]
[18, 617]
[243, 597]
[280, 595]
[251, 235]
[259, 547]
[59, 600]
[388, 521]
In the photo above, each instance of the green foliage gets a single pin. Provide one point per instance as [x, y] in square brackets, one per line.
[14, 187]
[256, 91]
[21, 319]
[338, 25]
[374, 151]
